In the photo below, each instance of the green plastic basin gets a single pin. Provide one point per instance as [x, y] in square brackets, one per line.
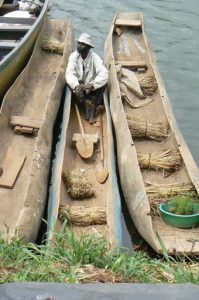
[179, 221]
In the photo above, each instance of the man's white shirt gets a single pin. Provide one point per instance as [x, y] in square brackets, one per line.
[89, 71]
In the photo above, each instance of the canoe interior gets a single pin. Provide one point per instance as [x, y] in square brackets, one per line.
[106, 196]
[72, 160]
[132, 45]
[36, 94]
[12, 29]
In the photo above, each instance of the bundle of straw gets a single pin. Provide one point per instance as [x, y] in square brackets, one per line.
[172, 189]
[148, 84]
[51, 44]
[169, 160]
[160, 193]
[154, 205]
[77, 185]
[140, 128]
[83, 216]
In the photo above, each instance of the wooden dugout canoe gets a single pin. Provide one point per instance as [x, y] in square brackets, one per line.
[17, 37]
[127, 48]
[105, 204]
[34, 98]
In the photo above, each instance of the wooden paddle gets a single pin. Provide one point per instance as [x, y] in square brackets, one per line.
[84, 143]
[102, 171]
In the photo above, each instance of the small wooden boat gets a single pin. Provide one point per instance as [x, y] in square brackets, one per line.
[139, 104]
[100, 213]
[26, 127]
[17, 37]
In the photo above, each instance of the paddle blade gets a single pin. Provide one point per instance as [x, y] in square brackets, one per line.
[102, 173]
[84, 149]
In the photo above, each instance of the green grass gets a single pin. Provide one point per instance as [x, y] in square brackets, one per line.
[89, 259]
[183, 204]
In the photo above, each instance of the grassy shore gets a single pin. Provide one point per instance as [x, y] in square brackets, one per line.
[89, 259]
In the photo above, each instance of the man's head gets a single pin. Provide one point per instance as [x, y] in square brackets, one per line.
[84, 44]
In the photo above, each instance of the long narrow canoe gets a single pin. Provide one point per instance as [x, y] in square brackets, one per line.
[129, 57]
[17, 37]
[101, 213]
[30, 107]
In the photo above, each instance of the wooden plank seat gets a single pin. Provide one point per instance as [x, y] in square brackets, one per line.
[125, 22]
[132, 64]
[11, 166]
[25, 125]
[14, 27]
[27, 21]
[8, 45]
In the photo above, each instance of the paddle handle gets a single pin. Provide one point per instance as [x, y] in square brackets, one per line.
[79, 120]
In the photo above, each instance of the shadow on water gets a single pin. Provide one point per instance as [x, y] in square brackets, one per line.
[56, 137]
[128, 228]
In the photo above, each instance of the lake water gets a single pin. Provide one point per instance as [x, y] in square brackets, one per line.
[172, 27]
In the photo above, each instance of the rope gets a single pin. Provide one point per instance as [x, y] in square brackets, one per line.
[146, 128]
[149, 161]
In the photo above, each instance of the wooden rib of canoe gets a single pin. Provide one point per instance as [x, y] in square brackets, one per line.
[26, 126]
[101, 213]
[17, 37]
[128, 51]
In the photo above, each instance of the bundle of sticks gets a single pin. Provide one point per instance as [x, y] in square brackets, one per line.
[51, 44]
[169, 160]
[141, 128]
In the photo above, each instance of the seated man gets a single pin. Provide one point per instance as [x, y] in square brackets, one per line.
[87, 76]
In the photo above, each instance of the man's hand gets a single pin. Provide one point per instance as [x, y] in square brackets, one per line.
[79, 92]
[81, 87]
[88, 88]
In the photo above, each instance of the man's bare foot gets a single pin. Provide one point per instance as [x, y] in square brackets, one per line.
[86, 117]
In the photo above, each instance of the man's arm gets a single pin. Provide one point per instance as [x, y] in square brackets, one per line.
[102, 73]
[71, 74]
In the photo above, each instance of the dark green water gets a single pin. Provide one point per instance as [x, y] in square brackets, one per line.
[172, 27]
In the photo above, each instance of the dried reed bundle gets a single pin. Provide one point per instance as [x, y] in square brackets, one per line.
[51, 44]
[169, 160]
[160, 193]
[83, 216]
[171, 189]
[154, 204]
[147, 83]
[140, 128]
[77, 185]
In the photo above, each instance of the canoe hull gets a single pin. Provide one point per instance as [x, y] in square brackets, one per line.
[113, 206]
[37, 94]
[14, 62]
[133, 179]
